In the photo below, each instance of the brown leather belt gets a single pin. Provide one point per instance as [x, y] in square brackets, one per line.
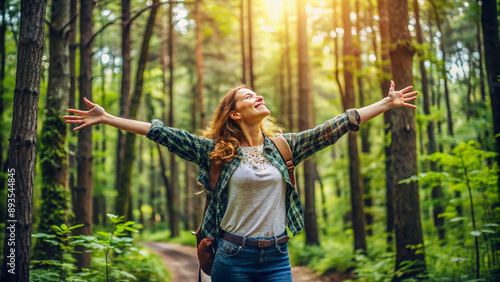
[261, 243]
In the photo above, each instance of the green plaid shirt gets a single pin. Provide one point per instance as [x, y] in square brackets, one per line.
[303, 144]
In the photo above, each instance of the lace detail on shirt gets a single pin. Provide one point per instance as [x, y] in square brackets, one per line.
[254, 158]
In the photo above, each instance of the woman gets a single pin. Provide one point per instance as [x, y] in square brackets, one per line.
[254, 199]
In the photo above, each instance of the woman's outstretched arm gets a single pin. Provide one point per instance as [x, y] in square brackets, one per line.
[97, 115]
[394, 99]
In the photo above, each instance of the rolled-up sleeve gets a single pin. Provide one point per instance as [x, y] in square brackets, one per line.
[180, 142]
[306, 143]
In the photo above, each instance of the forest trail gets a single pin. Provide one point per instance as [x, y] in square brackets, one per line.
[182, 263]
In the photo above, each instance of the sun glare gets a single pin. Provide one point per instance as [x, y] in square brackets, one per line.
[274, 8]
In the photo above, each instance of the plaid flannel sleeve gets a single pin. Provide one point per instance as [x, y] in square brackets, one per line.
[306, 143]
[180, 142]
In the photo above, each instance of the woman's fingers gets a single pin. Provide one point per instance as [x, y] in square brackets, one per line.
[409, 105]
[79, 127]
[87, 101]
[78, 112]
[410, 99]
[72, 117]
[74, 121]
[406, 89]
[410, 94]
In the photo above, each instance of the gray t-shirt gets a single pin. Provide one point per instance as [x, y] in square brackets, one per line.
[256, 203]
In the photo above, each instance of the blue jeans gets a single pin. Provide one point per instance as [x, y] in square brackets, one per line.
[233, 262]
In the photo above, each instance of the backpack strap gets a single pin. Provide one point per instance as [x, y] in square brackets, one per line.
[215, 171]
[286, 154]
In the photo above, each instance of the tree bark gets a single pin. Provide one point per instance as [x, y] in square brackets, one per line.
[336, 46]
[174, 187]
[290, 114]
[365, 131]
[489, 22]
[305, 122]
[250, 45]
[407, 222]
[443, 69]
[125, 87]
[3, 166]
[54, 207]
[437, 192]
[82, 207]
[124, 183]
[357, 205]
[199, 62]
[384, 71]
[242, 43]
[22, 148]
[72, 93]
[482, 85]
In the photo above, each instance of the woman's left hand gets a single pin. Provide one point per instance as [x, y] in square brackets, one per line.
[401, 98]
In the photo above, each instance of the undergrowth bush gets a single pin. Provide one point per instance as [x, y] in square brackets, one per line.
[128, 263]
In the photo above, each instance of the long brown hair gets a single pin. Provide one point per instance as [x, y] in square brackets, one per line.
[227, 133]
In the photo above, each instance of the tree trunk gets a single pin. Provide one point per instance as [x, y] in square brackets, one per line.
[443, 69]
[365, 131]
[407, 223]
[336, 46]
[124, 183]
[82, 207]
[54, 205]
[23, 139]
[3, 179]
[482, 85]
[305, 122]
[357, 205]
[384, 71]
[174, 187]
[437, 192]
[125, 89]
[72, 93]
[489, 23]
[199, 63]
[290, 114]
[242, 43]
[250, 45]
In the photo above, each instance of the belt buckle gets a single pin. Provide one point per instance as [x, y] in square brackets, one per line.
[259, 245]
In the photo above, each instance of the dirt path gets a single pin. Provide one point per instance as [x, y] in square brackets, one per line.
[182, 263]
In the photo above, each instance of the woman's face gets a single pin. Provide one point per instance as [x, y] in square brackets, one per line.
[250, 107]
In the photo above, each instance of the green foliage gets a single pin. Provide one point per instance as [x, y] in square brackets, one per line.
[65, 243]
[130, 263]
[332, 255]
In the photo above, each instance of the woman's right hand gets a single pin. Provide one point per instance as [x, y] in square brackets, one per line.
[96, 115]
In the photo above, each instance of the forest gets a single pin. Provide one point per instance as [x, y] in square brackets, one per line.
[413, 195]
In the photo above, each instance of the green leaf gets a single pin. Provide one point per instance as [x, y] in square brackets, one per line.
[487, 231]
[64, 227]
[126, 274]
[409, 180]
[75, 226]
[475, 233]
[457, 259]
[57, 228]
[53, 242]
[455, 219]
[105, 234]
[42, 235]
[129, 223]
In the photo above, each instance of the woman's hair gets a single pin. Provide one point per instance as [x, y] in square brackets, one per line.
[227, 133]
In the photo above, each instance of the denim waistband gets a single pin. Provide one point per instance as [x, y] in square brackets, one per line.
[284, 233]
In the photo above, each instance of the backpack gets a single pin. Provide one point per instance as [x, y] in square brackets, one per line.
[205, 246]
